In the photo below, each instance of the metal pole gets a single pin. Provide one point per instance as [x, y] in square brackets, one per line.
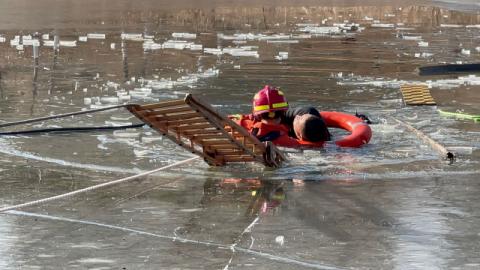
[62, 115]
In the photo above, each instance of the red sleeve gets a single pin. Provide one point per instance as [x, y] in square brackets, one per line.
[287, 141]
[245, 120]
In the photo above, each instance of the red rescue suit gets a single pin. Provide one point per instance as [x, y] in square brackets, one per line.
[276, 133]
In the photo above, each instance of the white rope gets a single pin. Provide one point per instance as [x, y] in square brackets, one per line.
[87, 189]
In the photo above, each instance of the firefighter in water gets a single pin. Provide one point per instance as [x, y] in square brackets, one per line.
[272, 120]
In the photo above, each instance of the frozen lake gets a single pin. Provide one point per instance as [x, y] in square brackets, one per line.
[393, 204]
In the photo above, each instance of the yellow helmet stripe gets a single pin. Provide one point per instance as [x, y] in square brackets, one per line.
[261, 108]
[279, 105]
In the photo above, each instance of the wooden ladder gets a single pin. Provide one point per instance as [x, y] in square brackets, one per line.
[199, 128]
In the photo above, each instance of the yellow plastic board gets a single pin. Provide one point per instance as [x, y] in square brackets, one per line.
[417, 95]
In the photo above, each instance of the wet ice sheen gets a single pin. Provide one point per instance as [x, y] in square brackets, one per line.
[392, 204]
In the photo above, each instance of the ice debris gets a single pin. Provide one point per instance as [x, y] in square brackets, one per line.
[95, 36]
[450, 25]
[184, 35]
[423, 55]
[275, 38]
[171, 44]
[382, 25]
[417, 38]
[394, 83]
[68, 43]
[63, 43]
[241, 51]
[214, 51]
[422, 44]
[132, 37]
[321, 30]
[282, 56]
[280, 240]
[149, 86]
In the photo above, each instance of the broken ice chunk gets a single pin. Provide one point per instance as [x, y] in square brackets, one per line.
[96, 36]
[184, 35]
[422, 44]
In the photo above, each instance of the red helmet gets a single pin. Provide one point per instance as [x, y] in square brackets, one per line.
[269, 99]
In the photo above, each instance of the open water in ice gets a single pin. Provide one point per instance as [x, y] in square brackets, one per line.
[393, 204]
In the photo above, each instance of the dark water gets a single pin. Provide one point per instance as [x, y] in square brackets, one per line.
[393, 204]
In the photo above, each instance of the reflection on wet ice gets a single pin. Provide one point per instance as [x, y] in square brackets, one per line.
[350, 208]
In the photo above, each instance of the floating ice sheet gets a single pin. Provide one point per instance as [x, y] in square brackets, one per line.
[348, 26]
[241, 51]
[450, 25]
[260, 37]
[417, 38]
[110, 100]
[422, 44]
[382, 25]
[96, 36]
[171, 44]
[68, 43]
[62, 43]
[239, 42]
[15, 41]
[321, 30]
[140, 92]
[423, 55]
[214, 51]
[30, 42]
[282, 56]
[274, 37]
[132, 36]
[184, 35]
[394, 83]
[117, 123]
[163, 83]
[248, 36]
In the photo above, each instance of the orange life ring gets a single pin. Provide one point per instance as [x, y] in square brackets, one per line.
[360, 131]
